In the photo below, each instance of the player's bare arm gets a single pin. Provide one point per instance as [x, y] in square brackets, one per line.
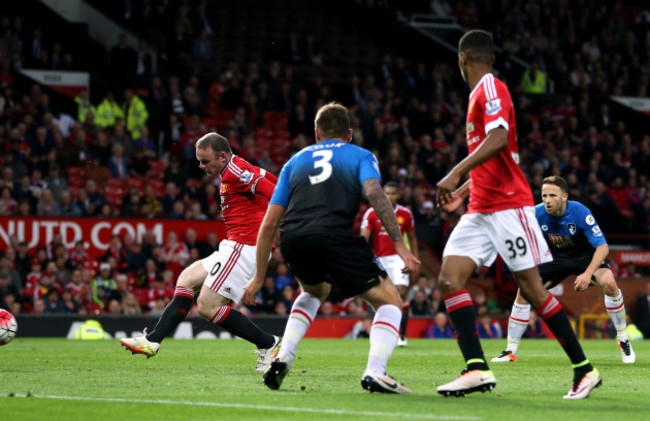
[413, 241]
[265, 238]
[582, 281]
[495, 142]
[384, 210]
[457, 197]
[365, 233]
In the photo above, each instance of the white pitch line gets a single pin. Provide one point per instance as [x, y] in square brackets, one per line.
[259, 407]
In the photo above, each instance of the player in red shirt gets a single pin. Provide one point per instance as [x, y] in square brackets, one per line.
[245, 192]
[383, 248]
[500, 219]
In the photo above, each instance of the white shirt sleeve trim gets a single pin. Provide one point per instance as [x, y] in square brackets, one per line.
[496, 123]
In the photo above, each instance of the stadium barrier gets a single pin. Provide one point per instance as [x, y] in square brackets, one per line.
[96, 233]
[61, 326]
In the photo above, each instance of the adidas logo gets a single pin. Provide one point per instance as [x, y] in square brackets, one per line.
[227, 290]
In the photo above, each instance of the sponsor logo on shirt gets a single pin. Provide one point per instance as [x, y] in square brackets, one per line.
[493, 107]
[596, 231]
[246, 177]
[473, 140]
[559, 241]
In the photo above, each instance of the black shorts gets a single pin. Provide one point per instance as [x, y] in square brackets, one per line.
[347, 259]
[562, 267]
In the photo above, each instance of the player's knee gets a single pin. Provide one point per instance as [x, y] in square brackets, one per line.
[206, 309]
[446, 285]
[609, 287]
[532, 293]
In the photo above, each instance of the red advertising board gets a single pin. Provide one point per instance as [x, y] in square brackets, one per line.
[97, 233]
[638, 257]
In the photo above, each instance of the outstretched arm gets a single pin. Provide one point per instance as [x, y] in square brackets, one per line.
[384, 210]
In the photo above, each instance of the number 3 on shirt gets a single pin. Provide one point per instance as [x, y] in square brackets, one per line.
[324, 163]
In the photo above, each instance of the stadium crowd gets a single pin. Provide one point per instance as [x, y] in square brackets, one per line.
[409, 112]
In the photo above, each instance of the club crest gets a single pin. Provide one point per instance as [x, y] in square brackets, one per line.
[571, 228]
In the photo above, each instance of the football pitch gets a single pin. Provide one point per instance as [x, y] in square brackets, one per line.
[58, 379]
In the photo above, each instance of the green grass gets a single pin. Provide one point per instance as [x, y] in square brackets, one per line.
[215, 379]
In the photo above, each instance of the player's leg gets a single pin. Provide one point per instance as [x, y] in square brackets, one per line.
[304, 256]
[402, 290]
[616, 310]
[216, 309]
[517, 324]
[454, 274]
[228, 271]
[520, 242]
[468, 248]
[384, 335]
[393, 266]
[188, 283]
[586, 377]
[303, 312]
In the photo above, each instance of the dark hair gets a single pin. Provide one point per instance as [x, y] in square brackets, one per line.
[214, 141]
[333, 121]
[478, 44]
[556, 180]
[391, 184]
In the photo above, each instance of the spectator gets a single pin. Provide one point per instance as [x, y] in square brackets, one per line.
[440, 328]
[71, 305]
[630, 271]
[108, 111]
[117, 163]
[420, 305]
[57, 184]
[130, 306]
[361, 329]
[53, 302]
[485, 327]
[47, 206]
[104, 286]
[282, 278]
[176, 254]
[8, 206]
[534, 329]
[159, 289]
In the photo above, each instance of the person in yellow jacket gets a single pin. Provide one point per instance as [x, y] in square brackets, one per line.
[533, 80]
[83, 106]
[107, 111]
[135, 112]
[90, 330]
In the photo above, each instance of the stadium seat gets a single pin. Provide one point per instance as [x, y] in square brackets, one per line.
[157, 169]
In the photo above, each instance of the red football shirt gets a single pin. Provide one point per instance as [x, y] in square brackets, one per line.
[497, 184]
[241, 208]
[382, 245]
